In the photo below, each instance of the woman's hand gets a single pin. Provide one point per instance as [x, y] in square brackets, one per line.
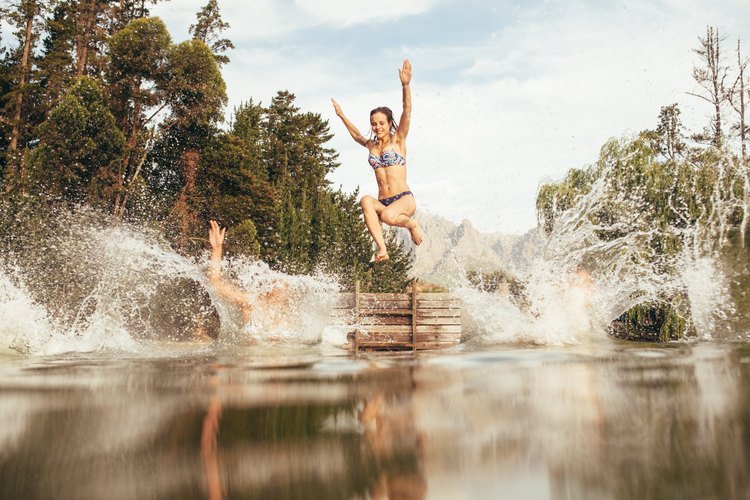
[216, 236]
[405, 73]
[336, 107]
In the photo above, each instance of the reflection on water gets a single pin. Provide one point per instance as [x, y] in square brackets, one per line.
[611, 421]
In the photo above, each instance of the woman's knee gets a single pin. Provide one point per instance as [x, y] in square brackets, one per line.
[367, 202]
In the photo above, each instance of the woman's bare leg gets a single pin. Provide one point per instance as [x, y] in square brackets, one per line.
[399, 214]
[372, 208]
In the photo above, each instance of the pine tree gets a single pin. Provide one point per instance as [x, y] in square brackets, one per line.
[137, 79]
[209, 28]
[80, 147]
[26, 17]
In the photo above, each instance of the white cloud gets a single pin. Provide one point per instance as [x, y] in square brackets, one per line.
[264, 19]
[352, 12]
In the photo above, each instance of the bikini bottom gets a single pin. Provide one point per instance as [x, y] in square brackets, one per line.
[388, 201]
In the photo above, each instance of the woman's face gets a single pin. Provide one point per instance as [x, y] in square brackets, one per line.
[380, 125]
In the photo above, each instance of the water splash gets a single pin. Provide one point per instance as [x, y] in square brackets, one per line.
[96, 287]
[605, 254]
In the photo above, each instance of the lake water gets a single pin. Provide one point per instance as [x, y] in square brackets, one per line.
[597, 419]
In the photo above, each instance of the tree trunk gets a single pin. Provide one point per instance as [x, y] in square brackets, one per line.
[86, 17]
[14, 159]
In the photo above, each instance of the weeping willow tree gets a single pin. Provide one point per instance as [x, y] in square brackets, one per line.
[647, 204]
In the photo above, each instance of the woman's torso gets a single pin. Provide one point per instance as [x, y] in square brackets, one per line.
[389, 165]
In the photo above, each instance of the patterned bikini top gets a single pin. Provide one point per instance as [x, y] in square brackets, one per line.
[387, 158]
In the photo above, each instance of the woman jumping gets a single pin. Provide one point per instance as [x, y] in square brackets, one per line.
[395, 204]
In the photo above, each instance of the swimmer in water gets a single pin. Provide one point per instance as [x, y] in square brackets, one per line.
[395, 204]
[276, 300]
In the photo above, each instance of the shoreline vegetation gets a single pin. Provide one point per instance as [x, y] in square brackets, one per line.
[102, 110]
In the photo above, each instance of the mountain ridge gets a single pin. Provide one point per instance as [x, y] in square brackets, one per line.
[450, 250]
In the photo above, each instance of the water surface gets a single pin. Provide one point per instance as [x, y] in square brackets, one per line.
[601, 420]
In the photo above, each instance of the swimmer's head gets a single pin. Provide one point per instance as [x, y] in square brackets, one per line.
[382, 122]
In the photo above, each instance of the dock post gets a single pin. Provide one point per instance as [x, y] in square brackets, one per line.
[356, 316]
[414, 315]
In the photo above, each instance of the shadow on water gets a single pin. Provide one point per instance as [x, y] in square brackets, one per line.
[606, 421]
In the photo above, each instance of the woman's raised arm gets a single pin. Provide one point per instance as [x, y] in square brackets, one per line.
[404, 75]
[356, 135]
[226, 290]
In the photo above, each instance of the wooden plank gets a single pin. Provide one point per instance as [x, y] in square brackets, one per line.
[386, 347]
[439, 321]
[382, 337]
[428, 346]
[439, 313]
[386, 297]
[439, 304]
[439, 329]
[387, 328]
[385, 320]
[385, 312]
[439, 337]
[436, 296]
[380, 305]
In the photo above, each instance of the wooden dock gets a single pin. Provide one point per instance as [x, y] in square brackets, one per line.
[400, 321]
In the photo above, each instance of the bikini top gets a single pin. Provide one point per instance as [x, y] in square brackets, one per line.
[387, 158]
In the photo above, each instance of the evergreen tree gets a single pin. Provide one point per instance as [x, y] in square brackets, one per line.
[137, 79]
[57, 64]
[26, 17]
[80, 147]
[209, 28]
[123, 12]
[669, 133]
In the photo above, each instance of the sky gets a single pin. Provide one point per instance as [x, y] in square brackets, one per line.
[506, 94]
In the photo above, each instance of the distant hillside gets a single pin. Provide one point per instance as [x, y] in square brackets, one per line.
[449, 250]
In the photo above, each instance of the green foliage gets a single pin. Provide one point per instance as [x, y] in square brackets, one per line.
[243, 239]
[195, 88]
[139, 51]
[390, 276]
[554, 199]
[80, 142]
[651, 321]
[208, 29]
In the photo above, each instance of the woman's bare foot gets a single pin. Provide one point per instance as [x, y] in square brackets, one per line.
[416, 234]
[381, 256]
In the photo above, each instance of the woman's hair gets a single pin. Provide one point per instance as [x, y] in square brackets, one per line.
[388, 115]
